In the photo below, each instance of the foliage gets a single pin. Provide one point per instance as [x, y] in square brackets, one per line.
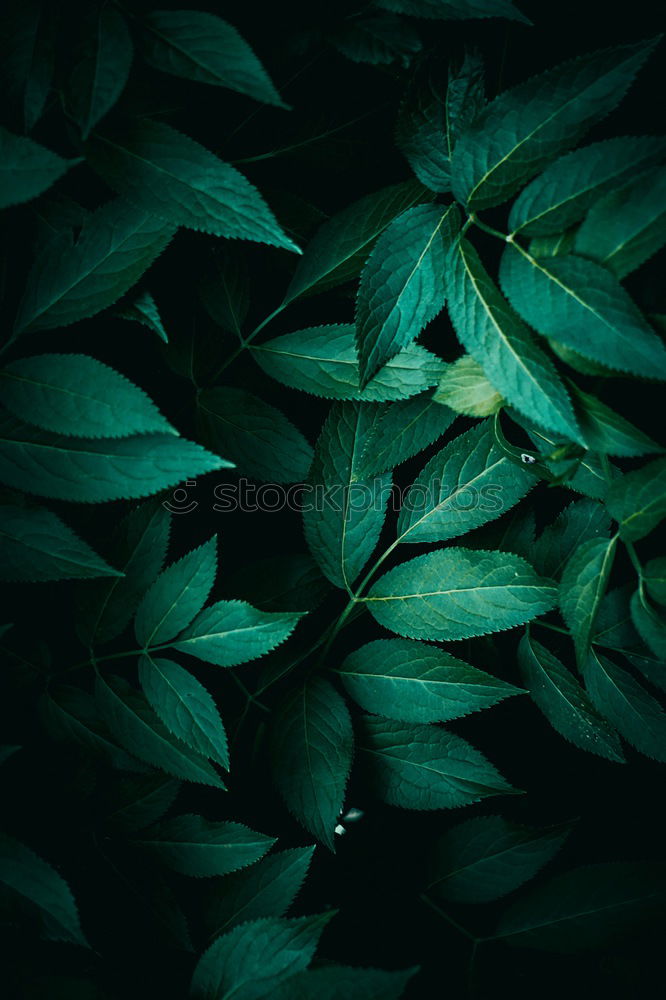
[420, 566]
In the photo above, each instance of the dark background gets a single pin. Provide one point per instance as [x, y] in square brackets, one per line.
[374, 877]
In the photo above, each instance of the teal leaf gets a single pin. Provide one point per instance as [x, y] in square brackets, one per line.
[25, 873]
[378, 39]
[176, 179]
[654, 578]
[322, 360]
[197, 847]
[608, 432]
[142, 308]
[233, 632]
[93, 471]
[626, 704]
[465, 389]
[185, 707]
[500, 342]
[522, 129]
[585, 908]
[333, 982]
[565, 703]
[614, 626]
[267, 889]
[580, 522]
[73, 394]
[344, 514]
[469, 482]
[257, 437]
[425, 767]
[133, 723]
[116, 245]
[26, 168]
[458, 593]
[455, 9]
[583, 586]
[583, 306]
[637, 501]
[401, 430]
[401, 287]
[176, 596]
[99, 78]
[36, 545]
[280, 583]
[338, 250]
[421, 130]
[465, 97]
[253, 959]
[71, 715]
[139, 545]
[225, 292]
[311, 753]
[136, 801]
[203, 47]
[29, 62]
[483, 859]
[562, 194]
[413, 682]
[627, 227]
[649, 622]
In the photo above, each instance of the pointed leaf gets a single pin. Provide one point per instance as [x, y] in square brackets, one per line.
[97, 81]
[233, 632]
[455, 9]
[137, 801]
[26, 168]
[311, 754]
[177, 595]
[583, 586]
[413, 682]
[194, 846]
[649, 623]
[606, 431]
[654, 577]
[333, 982]
[426, 767]
[142, 308]
[465, 389]
[401, 430]
[421, 131]
[458, 593]
[637, 501]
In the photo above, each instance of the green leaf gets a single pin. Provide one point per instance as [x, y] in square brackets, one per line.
[421, 130]
[99, 78]
[333, 982]
[253, 959]
[626, 227]
[116, 245]
[136, 801]
[613, 625]
[70, 715]
[581, 521]
[25, 873]
[455, 9]
[37, 545]
[654, 578]
[504, 347]
[29, 62]
[194, 846]
[469, 482]
[465, 389]
[73, 393]
[311, 754]
[178, 594]
[582, 305]
[345, 514]
[92, 471]
[485, 858]
[280, 583]
[458, 593]
[401, 287]
[132, 722]
[173, 177]
[465, 97]
[522, 129]
[142, 308]
[606, 431]
[26, 168]
[338, 250]
[562, 194]
[233, 632]
[225, 292]
[626, 704]
[185, 707]
[138, 545]
[267, 889]
[583, 586]
[585, 908]
[256, 436]
[649, 623]
[425, 767]
[651, 667]
[563, 701]
[203, 47]
[401, 430]
[412, 682]
[377, 39]
[322, 360]
[637, 501]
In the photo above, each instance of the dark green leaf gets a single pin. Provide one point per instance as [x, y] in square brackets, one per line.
[580, 522]
[233, 632]
[178, 594]
[335, 982]
[98, 79]
[637, 501]
[583, 586]
[26, 168]
[194, 846]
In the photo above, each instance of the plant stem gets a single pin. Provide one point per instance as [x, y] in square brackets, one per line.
[247, 340]
[94, 660]
[489, 229]
[450, 920]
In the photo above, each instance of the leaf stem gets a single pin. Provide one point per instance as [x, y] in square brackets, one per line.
[450, 920]
[474, 219]
[246, 341]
